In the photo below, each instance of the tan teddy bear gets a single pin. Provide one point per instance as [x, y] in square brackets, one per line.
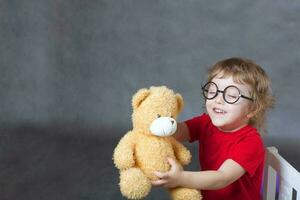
[146, 147]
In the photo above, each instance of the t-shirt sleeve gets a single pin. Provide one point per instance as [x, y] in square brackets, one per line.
[196, 126]
[249, 153]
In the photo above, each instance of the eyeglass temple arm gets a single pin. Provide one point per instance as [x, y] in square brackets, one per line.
[249, 98]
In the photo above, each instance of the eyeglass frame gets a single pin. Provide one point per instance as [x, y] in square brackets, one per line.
[223, 93]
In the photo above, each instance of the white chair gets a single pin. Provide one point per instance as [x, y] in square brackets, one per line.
[278, 172]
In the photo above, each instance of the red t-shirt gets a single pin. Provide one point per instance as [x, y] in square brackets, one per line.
[244, 146]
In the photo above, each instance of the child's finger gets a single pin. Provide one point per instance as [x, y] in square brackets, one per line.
[171, 161]
[159, 182]
[173, 164]
[161, 174]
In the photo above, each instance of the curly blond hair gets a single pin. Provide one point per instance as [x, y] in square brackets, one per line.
[246, 71]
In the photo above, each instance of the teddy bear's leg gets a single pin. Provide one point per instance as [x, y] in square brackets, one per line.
[134, 184]
[181, 193]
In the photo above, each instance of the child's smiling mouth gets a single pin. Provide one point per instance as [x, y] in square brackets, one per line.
[219, 111]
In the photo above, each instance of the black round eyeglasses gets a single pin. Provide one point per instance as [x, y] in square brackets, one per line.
[231, 94]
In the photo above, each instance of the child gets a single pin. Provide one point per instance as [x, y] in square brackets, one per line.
[231, 151]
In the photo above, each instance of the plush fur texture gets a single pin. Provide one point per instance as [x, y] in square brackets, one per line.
[139, 153]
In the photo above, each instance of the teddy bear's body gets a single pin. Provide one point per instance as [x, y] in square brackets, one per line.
[144, 149]
[149, 150]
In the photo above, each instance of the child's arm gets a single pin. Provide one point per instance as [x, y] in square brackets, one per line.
[182, 133]
[229, 172]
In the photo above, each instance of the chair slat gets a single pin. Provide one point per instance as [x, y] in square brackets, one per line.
[285, 190]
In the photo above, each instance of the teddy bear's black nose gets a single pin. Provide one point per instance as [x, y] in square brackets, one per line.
[172, 121]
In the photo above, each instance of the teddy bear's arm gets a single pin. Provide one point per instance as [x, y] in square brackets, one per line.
[124, 152]
[182, 154]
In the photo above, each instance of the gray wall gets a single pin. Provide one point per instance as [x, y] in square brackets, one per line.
[79, 62]
[72, 66]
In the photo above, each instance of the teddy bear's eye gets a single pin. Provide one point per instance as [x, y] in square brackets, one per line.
[158, 115]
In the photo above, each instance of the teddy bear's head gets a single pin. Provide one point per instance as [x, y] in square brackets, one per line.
[155, 110]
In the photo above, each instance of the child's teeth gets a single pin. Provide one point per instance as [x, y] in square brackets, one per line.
[219, 111]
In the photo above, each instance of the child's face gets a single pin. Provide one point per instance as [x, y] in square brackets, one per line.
[229, 117]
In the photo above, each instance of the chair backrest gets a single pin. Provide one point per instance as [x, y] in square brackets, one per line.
[281, 180]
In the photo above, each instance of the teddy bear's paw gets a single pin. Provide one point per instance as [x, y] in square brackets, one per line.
[123, 161]
[185, 194]
[134, 184]
[185, 157]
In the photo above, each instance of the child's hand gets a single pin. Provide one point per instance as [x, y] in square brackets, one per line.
[171, 178]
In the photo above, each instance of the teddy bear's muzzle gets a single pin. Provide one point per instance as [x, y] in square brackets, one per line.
[163, 126]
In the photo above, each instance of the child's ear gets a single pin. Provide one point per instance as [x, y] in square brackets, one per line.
[250, 115]
[139, 97]
[252, 111]
[180, 102]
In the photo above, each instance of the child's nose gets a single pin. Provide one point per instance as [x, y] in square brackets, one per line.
[219, 98]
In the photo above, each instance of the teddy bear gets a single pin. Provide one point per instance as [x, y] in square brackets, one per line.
[145, 148]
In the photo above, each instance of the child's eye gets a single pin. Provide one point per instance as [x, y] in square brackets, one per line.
[229, 96]
[158, 115]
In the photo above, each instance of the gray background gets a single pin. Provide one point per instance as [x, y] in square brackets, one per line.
[69, 69]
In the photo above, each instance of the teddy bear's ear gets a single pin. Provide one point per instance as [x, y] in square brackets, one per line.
[139, 97]
[180, 102]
